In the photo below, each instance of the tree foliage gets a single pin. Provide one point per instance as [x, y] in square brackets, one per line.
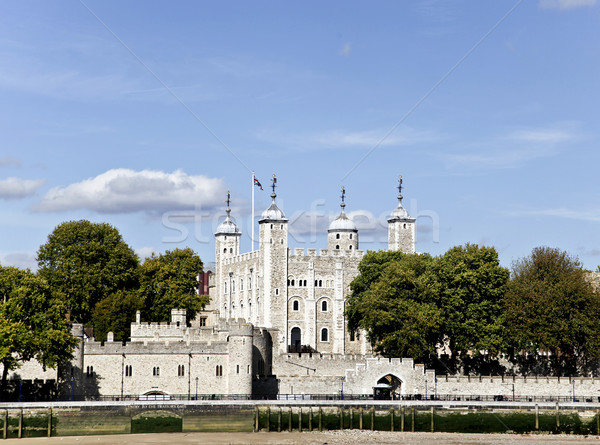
[472, 285]
[397, 309]
[32, 322]
[411, 304]
[115, 313]
[550, 306]
[170, 280]
[85, 262]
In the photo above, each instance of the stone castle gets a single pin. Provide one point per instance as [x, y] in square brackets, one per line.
[275, 326]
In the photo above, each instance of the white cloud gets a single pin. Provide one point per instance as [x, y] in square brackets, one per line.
[565, 4]
[145, 252]
[547, 136]
[7, 161]
[347, 139]
[20, 260]
[127, 191]
[18, 188]
[561, 212]
[514, 149]
[346, 49]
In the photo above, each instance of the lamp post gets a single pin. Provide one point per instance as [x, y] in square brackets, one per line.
[435, 389]
[425, 389]
[342, 389]
[72, 382]
[196, 388]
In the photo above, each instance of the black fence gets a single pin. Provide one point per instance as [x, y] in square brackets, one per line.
[332, 397]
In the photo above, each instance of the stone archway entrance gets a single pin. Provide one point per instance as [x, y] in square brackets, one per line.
[295, 340]
[389, 387]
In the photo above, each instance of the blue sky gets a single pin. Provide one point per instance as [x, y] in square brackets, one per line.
[143, 114]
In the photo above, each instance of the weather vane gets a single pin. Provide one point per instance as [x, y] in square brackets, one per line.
[274, 183]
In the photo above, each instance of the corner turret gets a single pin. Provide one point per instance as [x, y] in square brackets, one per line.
[342, 233]
[401, 227]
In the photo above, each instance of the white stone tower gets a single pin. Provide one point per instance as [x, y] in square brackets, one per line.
[342, 234]
[401, 227]
[227, 245]
[273, 252]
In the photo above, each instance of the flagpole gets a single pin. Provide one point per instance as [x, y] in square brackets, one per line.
[252, 222]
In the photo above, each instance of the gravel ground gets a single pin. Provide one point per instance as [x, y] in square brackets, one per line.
[346, 437]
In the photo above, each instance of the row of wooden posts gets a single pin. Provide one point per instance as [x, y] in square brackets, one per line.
[20, 424]
[370, 414]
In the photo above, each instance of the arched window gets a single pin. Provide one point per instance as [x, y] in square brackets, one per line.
[230, 250]
[225, 250]
[350, 247]
[324, 334]
[219, 371]
[337, 236]
[304, 283]
[337, 246]
[232, 286]
[350, 236]
[324, 305]
[128, 371]
[181, 371]
[405, 226]
[156, 371]
[320, 283]
[225, 287]
[295, 305]
[241, 284]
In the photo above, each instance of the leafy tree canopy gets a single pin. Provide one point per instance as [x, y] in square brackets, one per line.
[115, 313]
[170, 280]
[32, 322]
[411, 304]
[551, 307]
[85, 262]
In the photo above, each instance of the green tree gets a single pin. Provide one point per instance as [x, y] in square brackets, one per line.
[85, 262]
[370, 269]
[472, 285]
[394, 302]
[115, 314]
[169, 281]
[32, 323]
[551, 307]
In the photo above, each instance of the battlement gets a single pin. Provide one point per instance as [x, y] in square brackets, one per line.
[241, 258]
[166, 347]
[299, 252]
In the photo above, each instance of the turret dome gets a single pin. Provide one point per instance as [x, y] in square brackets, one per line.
[342, 223]
[228, 227]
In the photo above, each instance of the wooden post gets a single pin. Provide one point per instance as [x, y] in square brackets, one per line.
[557, 417]
[402, 419]
[5, 425]
[391, 419]
[310, 419]
[413, 420]
[256, 419]
[360, 419]
[598, 422]
[290, 419]
[279, 420]
[432, 422]
[49, 422]
[268, 419]
[320, 418]
[300, 420]
[372, 418]
[537, 417]
[20, 433]
[351, 418]
[341, 418]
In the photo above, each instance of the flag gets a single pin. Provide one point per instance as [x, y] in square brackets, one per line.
[257, 183]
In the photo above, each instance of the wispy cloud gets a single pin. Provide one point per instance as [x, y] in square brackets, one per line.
[336, 139]
[8, 161]
[128, 191]
[346, 50]
[20, 260]
[18, 188]
[565, 4]
[592, 215]
[512, 150]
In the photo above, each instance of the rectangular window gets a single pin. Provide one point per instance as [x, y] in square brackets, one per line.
[202, 321]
